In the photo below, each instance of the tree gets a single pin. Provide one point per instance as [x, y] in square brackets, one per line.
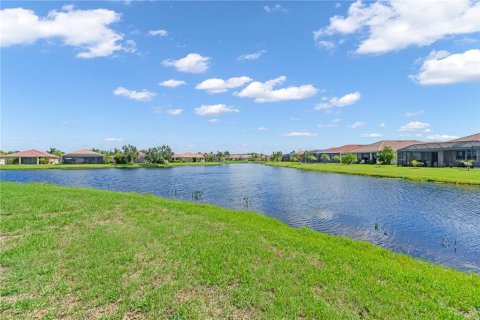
[276, 156]
[219, 156]
[348, 158]
[130, 153]
[209, 157]
[336, 158]
[55, 152]
[386, 155]
[294, 158]
[119, 157]
[166, 152]
[325, 157]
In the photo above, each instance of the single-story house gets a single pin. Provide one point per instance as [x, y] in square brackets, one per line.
[443, 154]
[82, 156]
[30, 157]
[240, 157]
[369, 153]
[140, 158]
[189, 157]
[337, 151]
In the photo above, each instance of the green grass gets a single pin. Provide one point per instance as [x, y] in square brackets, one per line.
[444, 175]
[83, 254]
[107, 166]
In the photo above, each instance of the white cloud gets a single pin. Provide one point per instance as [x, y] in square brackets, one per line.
[264, 92]
[214, 120]
[416, 126]
[262, 129]
[160, 33]
[414, 113]
[251, 56]
[172, 83]
[346, 100]
[334, 123]
[382, 125]
[206, 110]
[371, 135]
[440, 67]
[274, 8]
[216, 85]
[143, 95]
[300, 134]
[441, 137]
[356, 125]
[192, 63]
[397, 24]
[174, 112]
[113, 139]
[86, 30]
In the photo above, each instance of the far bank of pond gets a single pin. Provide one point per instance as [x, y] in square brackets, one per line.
[437, 222]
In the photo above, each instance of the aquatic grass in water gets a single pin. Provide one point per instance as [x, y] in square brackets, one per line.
[197, 194]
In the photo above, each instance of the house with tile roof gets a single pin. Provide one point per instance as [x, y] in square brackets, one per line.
[30, 157]
[82, 156]
[369, 152]
[443, 154]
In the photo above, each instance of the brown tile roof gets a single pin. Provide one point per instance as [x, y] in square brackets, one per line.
[473, 137]
[189, 155]
[83, 153]
[346, 148]
[379, 145]
[30, 154]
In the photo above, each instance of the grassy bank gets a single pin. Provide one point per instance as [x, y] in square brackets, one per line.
[83, 253]
[444, 175]
[107, 166]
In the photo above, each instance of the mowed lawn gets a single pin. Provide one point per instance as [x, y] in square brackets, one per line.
[82, 254]
[445, 175]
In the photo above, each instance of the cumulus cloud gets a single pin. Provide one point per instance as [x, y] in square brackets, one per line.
[251, 56]
[143, 95]
[207, 110]
[333, 102]
[172, 83]
[441, 137]
[397, 24]
[191, 63]
[86, 30]
[274, 8]
[300, 134]
[262, 129]
[416, 126]
[371, 135]
[160, 33]
[214, 120]
[174, 112]
[113, 139]
[265, 92]
[414, 113]
[216, 85]
[440, 67]
[356, 125]
[382, 125]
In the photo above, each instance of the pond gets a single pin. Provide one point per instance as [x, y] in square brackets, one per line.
[439, 223]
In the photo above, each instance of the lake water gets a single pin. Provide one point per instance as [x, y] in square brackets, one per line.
[439, 223]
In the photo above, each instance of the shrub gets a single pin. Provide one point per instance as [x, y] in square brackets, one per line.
[348, 158]
[386, 155]
[416, 163]
[336, 158]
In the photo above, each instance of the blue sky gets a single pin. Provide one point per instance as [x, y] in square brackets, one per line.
[251, 76]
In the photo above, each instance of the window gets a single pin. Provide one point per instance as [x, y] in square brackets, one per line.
[460, 155]
[470, 154]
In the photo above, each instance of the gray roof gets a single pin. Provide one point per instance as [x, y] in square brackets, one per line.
[434, 146]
